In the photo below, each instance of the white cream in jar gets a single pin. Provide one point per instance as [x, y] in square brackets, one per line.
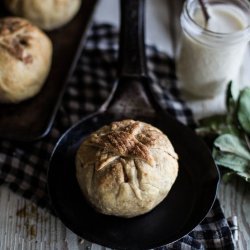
[211, 55]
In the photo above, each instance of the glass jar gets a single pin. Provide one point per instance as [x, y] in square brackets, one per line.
[211, 54]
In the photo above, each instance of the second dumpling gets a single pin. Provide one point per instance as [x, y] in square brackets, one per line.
[46, 14]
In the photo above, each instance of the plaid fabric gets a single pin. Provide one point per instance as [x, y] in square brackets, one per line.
[23, 167]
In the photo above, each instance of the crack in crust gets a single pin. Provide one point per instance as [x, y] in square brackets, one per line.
[15, 38]
[123, 140]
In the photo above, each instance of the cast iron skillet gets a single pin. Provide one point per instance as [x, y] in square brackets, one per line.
[194, 191]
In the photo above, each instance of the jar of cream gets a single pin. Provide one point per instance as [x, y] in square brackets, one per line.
[211, 53]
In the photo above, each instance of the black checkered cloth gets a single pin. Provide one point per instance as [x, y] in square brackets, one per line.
[23, 167]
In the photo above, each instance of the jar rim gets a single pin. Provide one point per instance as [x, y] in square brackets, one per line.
[231, 38]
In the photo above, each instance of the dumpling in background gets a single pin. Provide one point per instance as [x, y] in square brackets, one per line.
[25, 59]
[46, 14]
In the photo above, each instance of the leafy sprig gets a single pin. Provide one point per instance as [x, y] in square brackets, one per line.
[231, 131]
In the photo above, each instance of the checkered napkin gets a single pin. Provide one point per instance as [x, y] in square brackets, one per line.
[23, 167]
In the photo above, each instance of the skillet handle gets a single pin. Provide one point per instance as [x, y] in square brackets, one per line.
[132, 48]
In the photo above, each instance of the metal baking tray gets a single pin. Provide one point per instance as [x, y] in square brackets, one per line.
[32, 119]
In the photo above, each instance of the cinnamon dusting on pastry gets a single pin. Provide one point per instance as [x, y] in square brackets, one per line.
[124, 141]
[14, 33]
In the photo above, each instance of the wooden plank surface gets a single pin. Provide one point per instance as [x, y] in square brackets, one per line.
[25, 226]
[235, 200]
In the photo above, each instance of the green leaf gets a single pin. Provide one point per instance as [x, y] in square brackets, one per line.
[243, 110]
[231, 161]
[237, 165]
[230, 148]
[227, 177]
[228, 143]
[215, 125]
[231, 96]
[245, 176]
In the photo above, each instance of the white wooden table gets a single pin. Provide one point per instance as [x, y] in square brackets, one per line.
[24, 226]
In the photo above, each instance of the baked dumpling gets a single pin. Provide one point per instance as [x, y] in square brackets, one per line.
[46, 14]
[25, 59]
[126, 168]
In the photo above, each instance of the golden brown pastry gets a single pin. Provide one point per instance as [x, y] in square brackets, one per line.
[126, 168]
[46, 14]
[25, 59]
